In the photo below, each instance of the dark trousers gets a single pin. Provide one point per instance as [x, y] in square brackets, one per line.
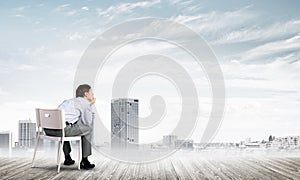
[77, 129]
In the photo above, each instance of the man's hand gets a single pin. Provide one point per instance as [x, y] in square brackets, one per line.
[92, 101]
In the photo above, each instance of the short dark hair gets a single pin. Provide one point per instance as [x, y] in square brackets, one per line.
[83, 88]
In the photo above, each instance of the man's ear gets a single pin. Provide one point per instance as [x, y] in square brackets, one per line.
[85, 94]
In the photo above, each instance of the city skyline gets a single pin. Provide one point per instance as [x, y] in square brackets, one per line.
[256, 43]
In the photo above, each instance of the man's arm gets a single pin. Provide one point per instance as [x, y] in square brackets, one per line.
[87, 117]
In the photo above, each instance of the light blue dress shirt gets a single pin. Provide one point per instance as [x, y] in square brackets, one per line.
[77, 109]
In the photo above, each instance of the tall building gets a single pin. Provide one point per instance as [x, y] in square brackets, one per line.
[5, 140]
[124, 123]
[5, 143]
[27, 134]
[169, 141]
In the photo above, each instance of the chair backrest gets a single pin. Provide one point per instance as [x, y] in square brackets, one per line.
[50, 118]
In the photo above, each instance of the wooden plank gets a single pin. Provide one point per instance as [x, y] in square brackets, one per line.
[107, 170]
[217, 171]
[278, 169]
[260, 167]
[17, 167]
[229, 170]
[144, 171]
[201, 169]
[154, 171]
[170, 168]
[130, 172]
[288, 164]
[194, 171]
[284, 166]
[180, 169]
[240, 169]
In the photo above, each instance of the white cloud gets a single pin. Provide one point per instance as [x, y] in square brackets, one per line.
[216, 22]
[255, 33]
[84, 35]
[22, 8]
[61, 7]
[3, 93]
[85, 8]
[275, 79]
[126, 8]
[66, 10]
[272, 48]
[180, 2]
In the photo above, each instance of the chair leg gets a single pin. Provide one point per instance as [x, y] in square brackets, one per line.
[35, 149]
[59, 157]
[79, 153]
[58, 153]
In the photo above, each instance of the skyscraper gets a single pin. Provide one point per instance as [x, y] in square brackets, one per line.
[124, 123]
[5, 140]
[27, 133]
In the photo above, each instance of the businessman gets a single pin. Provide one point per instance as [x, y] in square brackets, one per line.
[79, 121]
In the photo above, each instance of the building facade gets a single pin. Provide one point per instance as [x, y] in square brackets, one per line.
[5, 140]
[124, 123]
[184, 144]
[286, 142]
[27, 134]
[169, 140]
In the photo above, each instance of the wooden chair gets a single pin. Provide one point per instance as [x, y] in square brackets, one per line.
[54, 119]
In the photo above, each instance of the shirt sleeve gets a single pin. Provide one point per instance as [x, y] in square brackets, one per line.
[87, 116]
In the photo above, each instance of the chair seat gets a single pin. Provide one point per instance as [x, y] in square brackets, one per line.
[55, 138]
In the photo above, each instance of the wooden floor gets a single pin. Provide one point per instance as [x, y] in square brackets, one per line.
[170, 168]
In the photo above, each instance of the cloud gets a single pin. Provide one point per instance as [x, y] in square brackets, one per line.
[126, 8]
[16, 67]
[257, 33]
[85, 8]
[62, 7]
[84, 35]
[3, 93]
[271, 49]
[22, 8]
[180, 2]
[216, 22]
[274, 79]
[66, 10]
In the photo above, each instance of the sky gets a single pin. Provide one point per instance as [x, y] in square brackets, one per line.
[257, 45]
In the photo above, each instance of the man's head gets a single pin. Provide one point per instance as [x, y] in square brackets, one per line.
[86, 92]
[82, 89]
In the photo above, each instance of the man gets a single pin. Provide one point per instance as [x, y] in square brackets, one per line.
[79, 121]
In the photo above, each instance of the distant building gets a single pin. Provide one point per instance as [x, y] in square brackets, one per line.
[286, 142]
[216, 145]
[184, 144]
[169, 141]
[124, 123]
[252, 145]
[27, 134]
[5, 140]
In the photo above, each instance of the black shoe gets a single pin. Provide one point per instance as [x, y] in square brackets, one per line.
[69, 162]
[86, 165]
